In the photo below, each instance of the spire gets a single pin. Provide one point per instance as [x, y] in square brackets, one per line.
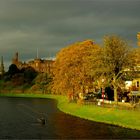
[2, 66]
[16, 56]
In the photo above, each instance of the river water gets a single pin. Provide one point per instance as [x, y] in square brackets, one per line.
[19, 119]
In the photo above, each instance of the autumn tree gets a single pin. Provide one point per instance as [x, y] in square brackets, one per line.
[117, 58]
[72, 67]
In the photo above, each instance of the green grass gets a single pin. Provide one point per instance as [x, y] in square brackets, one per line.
[124, 118]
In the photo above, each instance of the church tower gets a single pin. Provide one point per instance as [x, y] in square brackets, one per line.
[2, 66]
[15, 60]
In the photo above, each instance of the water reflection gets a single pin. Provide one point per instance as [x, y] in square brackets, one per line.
[19, 119]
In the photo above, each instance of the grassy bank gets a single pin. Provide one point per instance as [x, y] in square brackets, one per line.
[124, 118]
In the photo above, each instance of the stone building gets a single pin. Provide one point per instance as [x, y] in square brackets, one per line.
[40, 65]
[16, 61]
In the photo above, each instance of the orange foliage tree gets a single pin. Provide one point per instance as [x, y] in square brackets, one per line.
[73, 66]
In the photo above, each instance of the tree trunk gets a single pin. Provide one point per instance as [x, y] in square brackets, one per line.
[115, 94]
[115, 89]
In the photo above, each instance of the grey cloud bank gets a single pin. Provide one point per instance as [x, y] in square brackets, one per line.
[50, 25]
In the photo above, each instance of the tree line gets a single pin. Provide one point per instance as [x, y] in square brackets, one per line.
[24, 79]
[83, 66]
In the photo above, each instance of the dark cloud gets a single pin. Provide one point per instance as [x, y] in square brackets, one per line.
[50, 25]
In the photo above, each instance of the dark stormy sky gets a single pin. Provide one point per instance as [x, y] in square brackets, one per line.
[49, 25]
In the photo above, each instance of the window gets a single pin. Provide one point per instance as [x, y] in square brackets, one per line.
[137, 84]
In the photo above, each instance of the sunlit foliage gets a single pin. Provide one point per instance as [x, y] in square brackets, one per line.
[72, 71]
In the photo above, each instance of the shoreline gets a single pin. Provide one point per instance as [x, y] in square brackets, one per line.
[122, 118]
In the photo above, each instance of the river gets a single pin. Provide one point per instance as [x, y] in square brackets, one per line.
[20, 119]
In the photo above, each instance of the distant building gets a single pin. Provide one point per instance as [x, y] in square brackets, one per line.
[136, 83]
[40, 65]
[16, 61]
[133, 83]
